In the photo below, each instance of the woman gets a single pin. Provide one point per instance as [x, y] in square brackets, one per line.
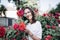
[33, 28]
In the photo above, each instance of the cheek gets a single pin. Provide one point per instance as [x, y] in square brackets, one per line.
[29, 17]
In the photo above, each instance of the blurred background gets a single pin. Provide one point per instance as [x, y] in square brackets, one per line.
[43, 6]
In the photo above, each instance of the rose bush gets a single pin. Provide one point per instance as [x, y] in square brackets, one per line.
[49, 26]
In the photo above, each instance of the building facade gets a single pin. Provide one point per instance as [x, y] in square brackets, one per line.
[6, 21]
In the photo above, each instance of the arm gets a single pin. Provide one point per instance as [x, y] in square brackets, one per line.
[34, 37]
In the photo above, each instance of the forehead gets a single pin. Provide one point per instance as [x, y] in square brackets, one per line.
[26, 10]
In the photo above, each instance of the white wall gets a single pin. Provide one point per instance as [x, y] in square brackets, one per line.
[12, 14]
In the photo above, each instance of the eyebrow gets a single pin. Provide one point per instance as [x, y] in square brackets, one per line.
[27, 12]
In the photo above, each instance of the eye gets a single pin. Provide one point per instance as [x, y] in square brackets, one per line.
[28, 12]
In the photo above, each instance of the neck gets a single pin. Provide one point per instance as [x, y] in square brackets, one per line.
[30, 20]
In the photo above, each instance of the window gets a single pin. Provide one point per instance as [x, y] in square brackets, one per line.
[9, 22]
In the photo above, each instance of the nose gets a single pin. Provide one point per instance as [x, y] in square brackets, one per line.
[27, 14]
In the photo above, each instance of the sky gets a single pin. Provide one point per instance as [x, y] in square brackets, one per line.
[47, 4]
[44, 5]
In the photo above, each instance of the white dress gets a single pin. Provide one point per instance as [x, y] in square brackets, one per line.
[36, 29]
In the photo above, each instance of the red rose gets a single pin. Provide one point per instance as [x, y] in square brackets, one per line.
[15, 26]
[22, 26]
[57, 13]
[20, 13]
[44, 14]
[56, 16]
[58, 21]
[2, 31]
[53, 27]
[48, 26]
[46, 39]
[49, 36]
[36, 10]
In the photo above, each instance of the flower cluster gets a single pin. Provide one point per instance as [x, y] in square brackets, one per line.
[20, 13]
[48, 26]
[20, 26]
[16, 32]
[48, 37]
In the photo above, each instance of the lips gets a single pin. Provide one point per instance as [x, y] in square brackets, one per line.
[27, 16]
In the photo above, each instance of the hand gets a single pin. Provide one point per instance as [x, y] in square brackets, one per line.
[27, 30]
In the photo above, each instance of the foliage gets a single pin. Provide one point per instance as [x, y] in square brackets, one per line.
[50, 27]
[57, 9]
[56, 12]
[19, 3]
[2, 9]
[24, 3]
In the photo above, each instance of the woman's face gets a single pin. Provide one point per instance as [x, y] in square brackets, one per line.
[28, 14]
